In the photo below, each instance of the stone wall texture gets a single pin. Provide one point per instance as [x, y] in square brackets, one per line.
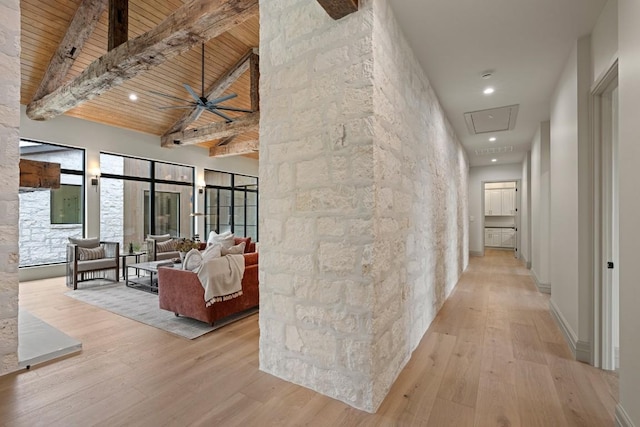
[9, 180]
[363, 200]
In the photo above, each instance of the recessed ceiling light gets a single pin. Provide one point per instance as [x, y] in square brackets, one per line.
[494, 160]
[489, 91]
[133, 97]
[492, 139]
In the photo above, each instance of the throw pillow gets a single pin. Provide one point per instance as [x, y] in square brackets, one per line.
[168, 246]
[192, 260]
[87, 254]
[159, 237]
[215, 237]
[246, 240]
[93, 242]
[212, 251]
[234, 250]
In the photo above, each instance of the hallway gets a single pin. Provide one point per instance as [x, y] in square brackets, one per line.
[492, 357]
[495, 357]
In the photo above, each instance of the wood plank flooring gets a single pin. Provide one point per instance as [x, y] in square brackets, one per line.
[492, 357]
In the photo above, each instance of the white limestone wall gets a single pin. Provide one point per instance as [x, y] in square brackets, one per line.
[317, 198]
[9, 179]
[421, 202]
[363, 200]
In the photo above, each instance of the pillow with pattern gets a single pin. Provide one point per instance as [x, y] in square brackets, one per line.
[168, 246]
[88, 254]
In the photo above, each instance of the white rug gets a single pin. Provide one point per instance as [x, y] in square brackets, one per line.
[143, 307]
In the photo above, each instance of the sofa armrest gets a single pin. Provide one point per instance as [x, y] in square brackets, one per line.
[111, 249]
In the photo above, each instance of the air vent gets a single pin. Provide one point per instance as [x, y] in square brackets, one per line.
[493, 150]
[491, 120]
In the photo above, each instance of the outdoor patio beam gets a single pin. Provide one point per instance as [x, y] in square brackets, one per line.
[191, 24]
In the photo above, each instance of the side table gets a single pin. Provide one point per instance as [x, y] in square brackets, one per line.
[124, 256]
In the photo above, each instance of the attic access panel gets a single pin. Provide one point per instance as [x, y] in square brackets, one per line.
[491, 120]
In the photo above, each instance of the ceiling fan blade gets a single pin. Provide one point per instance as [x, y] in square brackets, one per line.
[174, 107]
[167, 96]
[222, 99]
[199, 111]
[193, 94]
[240, 110]
[224, 116]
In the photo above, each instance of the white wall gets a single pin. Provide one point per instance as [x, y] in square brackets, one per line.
[94, 138]
[629, 151]
[525, 211]
[540, 215]
[565, 208]
[604, 40]
[477, 176]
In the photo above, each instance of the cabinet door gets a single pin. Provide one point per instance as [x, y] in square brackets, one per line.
[508, 239]
[487, 202]
[495, 202]
[508, 206]
[487, 237]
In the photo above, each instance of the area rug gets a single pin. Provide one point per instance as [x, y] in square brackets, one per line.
[143, 307]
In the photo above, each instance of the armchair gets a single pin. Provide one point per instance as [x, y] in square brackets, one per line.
[161, 247]
[89, 259]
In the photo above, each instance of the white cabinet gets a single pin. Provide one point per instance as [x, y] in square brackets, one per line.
[500, 237]
[493, 237]
[500, 202]
[508, 201]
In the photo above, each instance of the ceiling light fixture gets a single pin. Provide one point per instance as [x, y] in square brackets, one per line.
[489, 91]
[494, 160]
[133, 97]
[492, 139]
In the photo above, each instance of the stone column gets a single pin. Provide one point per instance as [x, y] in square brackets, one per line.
[363, 196]
[9, 180]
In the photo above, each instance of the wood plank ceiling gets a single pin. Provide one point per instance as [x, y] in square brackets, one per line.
[45, 23]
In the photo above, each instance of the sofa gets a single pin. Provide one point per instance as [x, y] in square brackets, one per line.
[181, 292]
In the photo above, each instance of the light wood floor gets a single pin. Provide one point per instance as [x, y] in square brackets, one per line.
[493, 357]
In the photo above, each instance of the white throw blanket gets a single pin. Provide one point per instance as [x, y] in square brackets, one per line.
[221, 278]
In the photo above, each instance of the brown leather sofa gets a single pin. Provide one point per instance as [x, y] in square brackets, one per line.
[181, 292]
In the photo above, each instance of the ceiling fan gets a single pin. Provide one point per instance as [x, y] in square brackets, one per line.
[201, 103]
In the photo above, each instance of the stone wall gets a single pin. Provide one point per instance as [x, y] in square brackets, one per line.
[421, 210]
[363, 200]
[9, 180]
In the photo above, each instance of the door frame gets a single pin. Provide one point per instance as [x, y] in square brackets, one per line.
[517, 220]
[602, 161]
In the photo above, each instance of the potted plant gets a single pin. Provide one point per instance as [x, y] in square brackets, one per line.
[185, 245]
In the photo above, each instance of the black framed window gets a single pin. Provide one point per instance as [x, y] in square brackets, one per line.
[127, 187]
[231, 204]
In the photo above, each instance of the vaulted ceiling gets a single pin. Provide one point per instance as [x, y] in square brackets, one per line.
[44, 25]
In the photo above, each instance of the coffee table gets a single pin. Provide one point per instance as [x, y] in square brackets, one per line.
[148, 280]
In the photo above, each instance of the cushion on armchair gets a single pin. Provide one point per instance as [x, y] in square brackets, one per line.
[88, 254]
[166, 246]
[159, 237]
[92, 242]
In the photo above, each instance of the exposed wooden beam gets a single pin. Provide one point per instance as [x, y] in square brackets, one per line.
[118, 23]
[37, 174]
[82, 25]
[194, 22]
[338, 9]
[254, 67]
[217, 89]
[235, 148]
[248, 123]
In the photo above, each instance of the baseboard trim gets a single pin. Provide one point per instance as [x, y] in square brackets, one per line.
[622, 418]
[583, 352]
[569, 336]
[544, 288]
[528, 265]
[476, 253]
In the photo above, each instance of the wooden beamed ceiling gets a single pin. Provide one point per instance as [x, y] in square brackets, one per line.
[44, 25]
